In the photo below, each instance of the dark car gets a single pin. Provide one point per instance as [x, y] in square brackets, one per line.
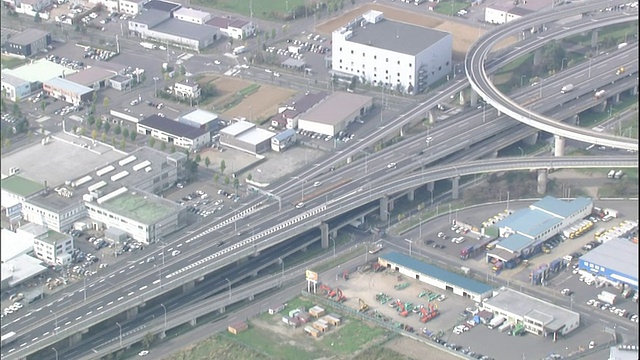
[428, 242]
[220, 243]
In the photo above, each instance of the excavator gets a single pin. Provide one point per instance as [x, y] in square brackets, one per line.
[340, 296]
[363, 306]
[403, 312]
[325, 289]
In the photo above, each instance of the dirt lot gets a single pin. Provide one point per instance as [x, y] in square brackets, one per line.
[463, 35]
[261, 104]
[226, 87]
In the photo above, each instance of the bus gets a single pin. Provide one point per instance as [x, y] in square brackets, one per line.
[7, 338]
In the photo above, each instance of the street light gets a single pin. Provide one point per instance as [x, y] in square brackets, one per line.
[334, 246]
[522, 80]
[410, 241]
[521, 151]
[541, 81]
[120, 326]
[163, 246]
[165, 316]
[56, 351]
[563, 60]
[229, 287]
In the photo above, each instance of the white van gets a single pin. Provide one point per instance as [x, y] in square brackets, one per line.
[589, 281]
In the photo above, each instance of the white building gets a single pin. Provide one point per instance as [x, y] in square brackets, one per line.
[335, 112]
[233, 28]
[131, 7]
[192, 15]
[401, 56]
[14, 88]
[14, 245]
[537, 316]
[201, 119]
[52, 247]
[187, 89]
[174, 132]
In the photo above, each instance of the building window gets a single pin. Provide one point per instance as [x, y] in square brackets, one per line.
[410, 65]
[375, 57]
[352, 52]
[363, 55]
[398, 62]
[387, 59]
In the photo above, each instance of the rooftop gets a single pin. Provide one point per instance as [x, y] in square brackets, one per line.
[68, 85]
[531, 222]
[165, 6]
[151, 17]
[200, 116]
[255, 136]
[561, 208]
[237, 128]
[39, 71]
[20, 186]
[21, 269]
[90, 76]
[336, 107]
[285, 134]
[225, 22]
[139, 206]
[28, 36]
[396, 36]
[12, 80]
[515, 243]
[191, 13]
[53, 237]
[172, 127]
[619, 353]
[186, 29]
[608, 255]
[13, 245]
[520, 11]
[521, 304]
[438, 273]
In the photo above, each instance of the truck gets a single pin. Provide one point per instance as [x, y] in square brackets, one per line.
[607, 297]
[468, 251]
[611, 174]
[7, 338]
[148, 45]
[565, 89]
[239, 50]
[599, 94]
[611, 212]
[621, 45]
[618, 174]
[506, 326]
[496, 321]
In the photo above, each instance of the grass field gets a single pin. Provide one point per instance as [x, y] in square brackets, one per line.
[451, 7]
[261, 8]
[10, 62]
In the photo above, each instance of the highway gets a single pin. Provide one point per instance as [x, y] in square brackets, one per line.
[140, 277]
[480, 82]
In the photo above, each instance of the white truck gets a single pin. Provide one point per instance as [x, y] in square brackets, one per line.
[565, 89]
[611, 212]
[496, 321]
[148, 45]
[239, 50]
[599, 94]
[621, 45]
[611, 174]
[7, 338]
[607, 297]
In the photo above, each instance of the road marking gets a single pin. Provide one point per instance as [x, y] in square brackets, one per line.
[34, 339]
[129, 294]
[23, 344]
[112, 275]
[121, 271]
[131, 267]
[78, 318]
[110, 303]
[623, 328]
[89, 313]
[155, 282]
[120, 298]
[102, 280]
[144, 287]
[100, 308]
[45, 334]
[27, 315]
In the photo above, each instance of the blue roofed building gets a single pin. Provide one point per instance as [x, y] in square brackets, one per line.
[435, 276]
[283, 140]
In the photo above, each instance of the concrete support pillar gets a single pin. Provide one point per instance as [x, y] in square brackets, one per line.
[384, 208]
[193, 322]
[537, 57]
[132, 313]
[75, 339]
[499, 112]
[251, 297]
[432, 118]
[634, 90]
[558, 146]
[473, 98]
[542, 181]
[455, 187]
[349, 160]
[531, 140]
[616, 98]
[162, 335]
[392, 205]
[333, 233]
[254, 274]
[494, 155]
[324, 231]
[594, 38]
[303, 249]
[431, 186]
[411, 195]
[462, 97]
[575, 119]
[188, 286]
[223, 310]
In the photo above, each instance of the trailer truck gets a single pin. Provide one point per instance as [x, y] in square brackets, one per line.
[7, 338]
[565, 89]
[470, 250]
[607, 297]
[148, 45]
[496, 321]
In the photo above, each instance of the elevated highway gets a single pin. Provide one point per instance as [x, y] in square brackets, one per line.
[480, 82]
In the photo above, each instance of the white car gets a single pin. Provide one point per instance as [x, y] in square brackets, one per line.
[299, 205]
[143, 353]
[175, 253]
[217, 62]
[392, 165]
[592, 344]
[429, 139]
[317, 183]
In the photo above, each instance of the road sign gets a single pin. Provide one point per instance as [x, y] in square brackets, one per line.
[311, 275]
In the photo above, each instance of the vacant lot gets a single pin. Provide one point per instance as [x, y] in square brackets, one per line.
[265, 9]
[463, 35]
[261, 104]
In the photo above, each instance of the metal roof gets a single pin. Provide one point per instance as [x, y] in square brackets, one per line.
[529, 222]
[28, 36]
[255, 136]
[561, 208]
[20, 186]
[515, 243]
[336, 107]
[199, 116]
[39, 71]
[160, 5]
[194, 13]
[446, 276]
[285, 135]
[619, 255]
[91, 75]
[396, 36]
[237, 128]
[186, 29]
[68, 85]
[172, 127]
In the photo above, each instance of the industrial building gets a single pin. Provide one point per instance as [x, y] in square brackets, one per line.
[174, 132]
[615, 260]
[233, 28]
[93, 77]
[335, 113]
[28, 42]
[245, 136]
[537, 316]
[502, 12]
[283, 140]
[201, 119]
[67, 90]
[19, 270]
[435, 276]
[52, 247]
[192, 15]
[287, 116]
[381, 52]
[523, 232]
[24, 80]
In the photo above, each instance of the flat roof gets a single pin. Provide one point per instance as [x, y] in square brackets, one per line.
[561, 208]
[91, 75]
[139, 206]
[336, 107]
[191, 13]
[28, 36]
[200, 116]
[438, 273]
[515, 243]
[284, 134]
[52, 237]
[225, 22]
[172, 127]
[255, 136]
[515, 302]
[532, 222]
[617, 254]
[396, 36]
[12, 80]
[68, 85]
[13, 245]
[22, 268]
[20, 186]
[40, 71]
[520, 11]
[237, 128]
[151, 17]
[186, 29]
[162, 5]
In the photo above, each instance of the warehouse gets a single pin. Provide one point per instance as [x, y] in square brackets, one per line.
[233, 28]
[28, 78]
[174, 132]
[245, 136]
[68, 91]
[615, 260]
[28, 42]
[93, 77]
[404, 57]
[335, 113]
[201, 119]
[536, 316]
[436, 276]
[192, 15]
